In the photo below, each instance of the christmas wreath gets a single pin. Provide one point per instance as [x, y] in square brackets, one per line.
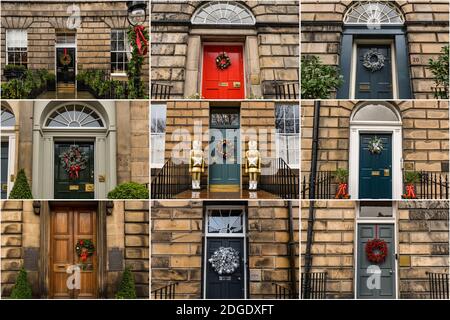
[84, 248]
[375, 145]
[65, 59]
[225, 260]
[376, 250]
[373, 60]
[73, 161]
[222, 146]
[223, 61]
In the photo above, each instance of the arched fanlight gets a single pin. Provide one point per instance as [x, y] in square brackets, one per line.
[376, 112]
[74, 116]
[7, 117]
[373, 13]
[223, 13]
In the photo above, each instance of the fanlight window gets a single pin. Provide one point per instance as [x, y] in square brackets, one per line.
[74, 116]
[376, 112]
[225, 221]
[224, 13]
[7, 118]
[374, 13]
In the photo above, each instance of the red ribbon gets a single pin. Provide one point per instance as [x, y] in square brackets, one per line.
[342, 191]
[410, 192]
[74, 169]
[141, 42]
[84, 256]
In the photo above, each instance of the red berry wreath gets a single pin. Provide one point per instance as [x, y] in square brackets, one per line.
[376, 250]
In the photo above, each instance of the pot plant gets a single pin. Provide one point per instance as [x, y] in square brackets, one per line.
[22, 288]
[127, 288]
[341, 176]
[318, 80]
[411, 178]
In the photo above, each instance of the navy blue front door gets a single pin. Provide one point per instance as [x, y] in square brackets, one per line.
[374, 82]
[375, 169]
[368, 286]
[225, 286]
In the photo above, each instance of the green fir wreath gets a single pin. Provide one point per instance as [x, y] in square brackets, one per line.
[223, 61]
[375, 145]
[84, 248]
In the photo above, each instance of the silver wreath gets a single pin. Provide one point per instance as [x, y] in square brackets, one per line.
[225, 260]
[375, 145]
[373, 60]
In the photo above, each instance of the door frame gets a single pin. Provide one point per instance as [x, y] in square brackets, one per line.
[10, 137]
[45, 241]
[385, 220]
[66, 45]
[355, 62]
[207, 235]
[206, 43]
[397, 146]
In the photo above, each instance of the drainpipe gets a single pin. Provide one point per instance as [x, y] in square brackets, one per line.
[312, 192]
[291, 247]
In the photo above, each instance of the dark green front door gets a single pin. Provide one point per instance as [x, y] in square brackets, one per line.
[73, 184]
[374, 72]
[376, 280]
[4, 169]
[224, 154]
[375, 169]
[65, 65]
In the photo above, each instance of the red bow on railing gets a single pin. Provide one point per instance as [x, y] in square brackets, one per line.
[410, 192]
[342, 191]
[141, 42]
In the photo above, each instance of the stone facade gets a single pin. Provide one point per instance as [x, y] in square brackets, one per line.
[426, 29]
[126, 230]
[43, 20]
[271, 46]
[177, 246]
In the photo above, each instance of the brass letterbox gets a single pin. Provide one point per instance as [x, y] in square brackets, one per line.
[365, 87]
[223, 84]
[375, 173]
[74, 187]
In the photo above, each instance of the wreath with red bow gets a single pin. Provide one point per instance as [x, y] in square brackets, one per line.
[223, 61]
[65, 59]
[84, 248]
[376, 250]
[73, 161]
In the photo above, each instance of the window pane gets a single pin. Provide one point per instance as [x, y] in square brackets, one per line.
[74, 116]
[375, 209]
[158, 114]
[225, 221]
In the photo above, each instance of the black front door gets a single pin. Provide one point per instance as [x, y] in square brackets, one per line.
[374, 72]
[228, 285]
[65, 65]
[4, 169]
[72, 182]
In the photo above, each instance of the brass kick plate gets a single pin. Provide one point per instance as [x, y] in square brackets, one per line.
[236, 84]
[386, 172]
[223, 84]
[74, 187]
[89, 187]
[364, 87]
[375, 173]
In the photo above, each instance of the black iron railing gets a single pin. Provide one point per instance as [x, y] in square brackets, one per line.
[325, 188]
[161, 91]
[286, 90]
[439, 285]
[314, 285]
[172, 179]
[432, 185]
[280, 179]
[166, 292]
[282, 292]
[440, 92]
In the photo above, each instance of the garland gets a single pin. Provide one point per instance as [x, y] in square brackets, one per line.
[84, 248]
[223, 61]
[225, 260]
[138, 37]
[376, 250]
[375, 145]
[373, 60]
[73, 161]
[221, 146]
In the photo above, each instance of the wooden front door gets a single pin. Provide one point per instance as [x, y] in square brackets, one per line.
[65, 65]
[375, 169]
[69, 185]
[4, 169]
[367, 286]
[374, 83]
[68, 226]
[225, 285]
[227, 83]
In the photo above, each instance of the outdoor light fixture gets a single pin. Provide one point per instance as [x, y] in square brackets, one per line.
[137, 12]
[37, 207]
[109, 207]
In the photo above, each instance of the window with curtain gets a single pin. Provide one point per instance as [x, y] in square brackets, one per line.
[158, 134]
[16, 47]
[287, 124]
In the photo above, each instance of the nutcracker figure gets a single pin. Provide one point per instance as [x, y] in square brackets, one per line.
[253, 164]
[196, 164]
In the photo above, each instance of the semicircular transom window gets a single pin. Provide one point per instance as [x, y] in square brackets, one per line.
[74, 116]
[223, 13]
[7, 118]
[373, 13]
[376, 112]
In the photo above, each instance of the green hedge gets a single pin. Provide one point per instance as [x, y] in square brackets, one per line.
[129, 190]
[28, 86]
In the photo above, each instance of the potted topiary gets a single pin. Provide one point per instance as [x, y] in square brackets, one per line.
[22, 288]
[341, 176]
[13, 71]
[21, 188]
[411, 178]
[127, 288]
[129, 190]
[439, 68]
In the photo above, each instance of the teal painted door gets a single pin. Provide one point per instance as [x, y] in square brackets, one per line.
[67, 186]
[368, 273]
[375, 169]
[374, 83]
[4, 169]
[224, 147]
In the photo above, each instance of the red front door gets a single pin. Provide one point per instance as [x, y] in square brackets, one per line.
[227, 83]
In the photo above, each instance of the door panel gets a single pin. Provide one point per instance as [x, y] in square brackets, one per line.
[74, 188]
[386, 290]
[375, 170]
[65, 72]
[68, 225]
[227, 83]
[4, 169]
[376, 84]
[224, 169]
[225, 286]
